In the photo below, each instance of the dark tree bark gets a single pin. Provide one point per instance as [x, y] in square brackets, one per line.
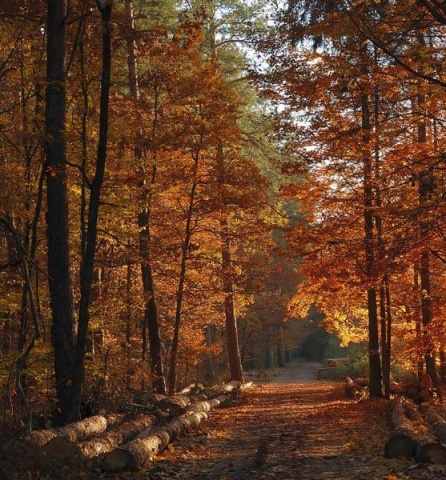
[60, 284]
[86, 271]
[426, 187]
[418, 330]
[235, 364]
[183, 265]
[374, 353]
[234, 359]
[151, 318]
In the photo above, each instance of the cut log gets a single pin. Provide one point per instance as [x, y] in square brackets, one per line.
[402, 442]
[398, 416]
[175, 405]
[109, 440]
[75, 432]
[137, 452]
[410, 437]
[39, 438]
[151, 442]
[233, 387]
[353, 390]
[400, 445]
[437, 422]
[192, 389]
[431, 452]
[207, 405]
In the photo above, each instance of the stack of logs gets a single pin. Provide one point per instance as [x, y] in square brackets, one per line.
[128, 445]
[419, 431]
[418, 392]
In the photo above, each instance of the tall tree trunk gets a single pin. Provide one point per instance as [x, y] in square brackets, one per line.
[235, 364]
[86, 270]
[418, 329]
[128, 327]
[384, 289]
[281, 348]
[60, 284]
[443, 366]
[182, 277]
[208, 362]
[426, 187]
[373, 331]
[151, 318]
[234, 359]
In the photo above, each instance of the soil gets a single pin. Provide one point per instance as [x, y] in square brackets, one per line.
[288, 426]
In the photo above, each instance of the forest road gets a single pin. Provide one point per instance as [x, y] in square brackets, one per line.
[290, 427]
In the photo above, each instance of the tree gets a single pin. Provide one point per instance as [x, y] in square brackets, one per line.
[60, 282]
[151, 321]
[86, 270]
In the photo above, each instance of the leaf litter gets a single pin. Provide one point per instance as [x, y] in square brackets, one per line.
[292, 428]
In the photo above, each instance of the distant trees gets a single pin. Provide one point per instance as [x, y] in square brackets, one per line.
[363, 114]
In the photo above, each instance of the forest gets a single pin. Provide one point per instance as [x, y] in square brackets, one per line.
[189, 189]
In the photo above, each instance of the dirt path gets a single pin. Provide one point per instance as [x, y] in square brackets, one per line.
[289, 428]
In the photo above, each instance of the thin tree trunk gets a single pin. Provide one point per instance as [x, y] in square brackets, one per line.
[443, 366]
[128, 328]
[425, 190]
[418, 330]
[384, 289]
[235, 364]
[151, 318]
[209, 364]
[374, 353]
[182, 277]
[86, 270]
[60, 284]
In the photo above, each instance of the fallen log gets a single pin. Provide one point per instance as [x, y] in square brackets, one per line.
[402, 441]
[412, 438]
[62, 448]
[151, 442]
[109, 440]
[233, 387]
[437, 422]
[192, 389]
[431, 452]
[400, 444]
[207, 405]
[137, 452]
[75, 432]
[175, 405]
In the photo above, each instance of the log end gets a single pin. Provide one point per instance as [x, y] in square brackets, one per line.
[400, 445]
[118, 460]
[434, 453]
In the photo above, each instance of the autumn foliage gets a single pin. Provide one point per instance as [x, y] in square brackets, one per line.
[206, 177]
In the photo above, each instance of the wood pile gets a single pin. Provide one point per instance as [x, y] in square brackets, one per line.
[418, 433]
[418, 429]
[126, 445]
